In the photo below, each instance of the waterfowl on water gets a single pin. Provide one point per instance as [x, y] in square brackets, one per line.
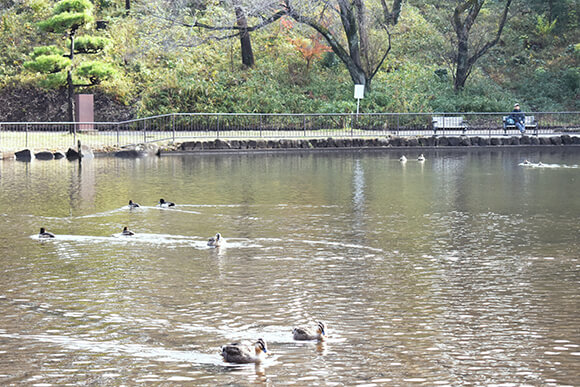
[318, 333]
[215, 241]
[403, 159]
[45, 234]
[243, 353]
[132, 204]
[163, 203]
[421, 157]
[127, 231]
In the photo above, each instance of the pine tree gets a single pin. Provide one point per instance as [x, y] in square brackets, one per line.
[60, 68]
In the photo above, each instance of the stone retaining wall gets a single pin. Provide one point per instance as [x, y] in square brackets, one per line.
[328, 143]
[378, 142]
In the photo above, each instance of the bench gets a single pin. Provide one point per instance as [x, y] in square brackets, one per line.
[449, 123]
[529, 121]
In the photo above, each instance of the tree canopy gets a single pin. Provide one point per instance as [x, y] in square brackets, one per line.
[160, 56]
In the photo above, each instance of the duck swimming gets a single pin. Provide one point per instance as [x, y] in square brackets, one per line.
[403, 159]
[45, 234]
[215, 241]
[127, 232]
[242, 353]
[163, 203]
[132, 204]
[310, 334]
[421, 157]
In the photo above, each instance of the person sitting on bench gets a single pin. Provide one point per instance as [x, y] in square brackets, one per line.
[517, 118]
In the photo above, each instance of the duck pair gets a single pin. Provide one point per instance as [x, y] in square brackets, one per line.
[162, 203]
[243, 353]
[45, 234]
[403, 158]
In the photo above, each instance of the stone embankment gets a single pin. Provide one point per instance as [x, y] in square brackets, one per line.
[142, 150]
[378, 142]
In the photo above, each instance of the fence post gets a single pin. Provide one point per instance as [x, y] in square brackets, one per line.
[144, 131]
[353, 119]
[118, 126]
[304, 124]
[218, 126]
[398, 123]
[26, 137]
[173, 126]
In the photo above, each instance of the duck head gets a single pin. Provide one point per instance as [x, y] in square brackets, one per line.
[260, 347]
[321, 329]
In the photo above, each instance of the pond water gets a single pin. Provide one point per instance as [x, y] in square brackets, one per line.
[463, 269]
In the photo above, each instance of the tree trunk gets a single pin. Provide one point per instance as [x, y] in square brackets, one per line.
[71, 98]
[245, 41]
[464, 62]
[462, 70]
[362, 21]
[69, 83]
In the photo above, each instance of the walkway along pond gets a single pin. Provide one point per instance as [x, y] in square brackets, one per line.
[176, 128]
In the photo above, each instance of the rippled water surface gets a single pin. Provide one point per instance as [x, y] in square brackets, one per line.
[462, 270]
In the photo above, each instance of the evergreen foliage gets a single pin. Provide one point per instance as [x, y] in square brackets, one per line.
[96, 72]
[90, 44]
[48, 64]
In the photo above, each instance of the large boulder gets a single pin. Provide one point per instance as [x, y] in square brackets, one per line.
[545, 141]
[566, 139]
[556, 140]
[484, 141]
[23, 155]
[454, 141]
[221, 144]
[44, 156]
[413, 141]
[129, 154]
[464, 141]
[140, 150]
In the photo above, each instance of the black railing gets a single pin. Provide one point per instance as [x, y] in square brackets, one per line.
[181, 127]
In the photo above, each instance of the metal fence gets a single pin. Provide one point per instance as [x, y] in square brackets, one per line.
[180, 127]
